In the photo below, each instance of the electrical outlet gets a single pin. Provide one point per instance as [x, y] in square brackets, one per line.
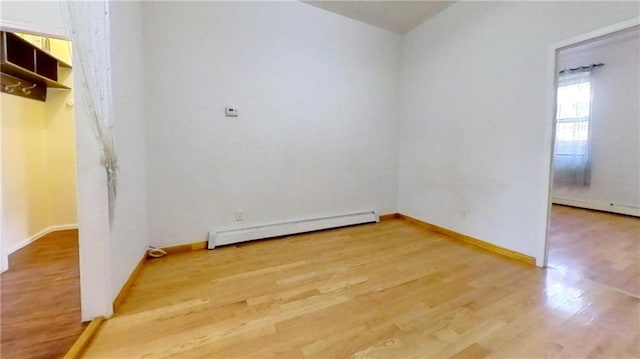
[239, 215]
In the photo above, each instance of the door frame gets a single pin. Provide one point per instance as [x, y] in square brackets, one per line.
[552, 54]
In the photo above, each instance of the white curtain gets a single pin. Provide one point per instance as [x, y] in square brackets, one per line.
[572, 160]
[87, 23]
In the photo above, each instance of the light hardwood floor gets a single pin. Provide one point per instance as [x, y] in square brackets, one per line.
[41, 299]
[387, 290]
[603, 247]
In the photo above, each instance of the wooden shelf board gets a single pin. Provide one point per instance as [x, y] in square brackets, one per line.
[16, 70]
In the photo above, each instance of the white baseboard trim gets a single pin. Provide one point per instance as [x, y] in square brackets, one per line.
[39, 235]
[599, 206]
[243, 234]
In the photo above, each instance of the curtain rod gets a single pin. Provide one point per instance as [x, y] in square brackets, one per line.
[582, 68]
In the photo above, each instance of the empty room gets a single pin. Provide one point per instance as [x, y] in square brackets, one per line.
[332, 179]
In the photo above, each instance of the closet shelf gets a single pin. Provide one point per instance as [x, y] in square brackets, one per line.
[22, 73]
[30, 66]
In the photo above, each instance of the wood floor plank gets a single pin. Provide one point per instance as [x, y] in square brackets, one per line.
[40, 296]
[385, 290]
[603, 247]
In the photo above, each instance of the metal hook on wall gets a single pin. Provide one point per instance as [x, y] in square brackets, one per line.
[10, 88]
[27, 90]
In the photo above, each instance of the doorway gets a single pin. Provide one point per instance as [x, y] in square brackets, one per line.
[41, 288]
[594, 193]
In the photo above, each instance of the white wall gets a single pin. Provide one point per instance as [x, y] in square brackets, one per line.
[473, 132]
[42, 17]
[93, 219]
[316, 134]
[26, 202]
[615, 121]
[61, 159]
[129, 235]
[109, 254]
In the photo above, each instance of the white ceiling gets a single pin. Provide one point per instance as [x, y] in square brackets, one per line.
[397, 16]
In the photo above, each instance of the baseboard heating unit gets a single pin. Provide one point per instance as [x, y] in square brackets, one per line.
[243, 234]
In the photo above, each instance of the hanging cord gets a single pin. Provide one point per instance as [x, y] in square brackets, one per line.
[154, 252]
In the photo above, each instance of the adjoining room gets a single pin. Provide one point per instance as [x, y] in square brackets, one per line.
[40, 276]
[596, 187]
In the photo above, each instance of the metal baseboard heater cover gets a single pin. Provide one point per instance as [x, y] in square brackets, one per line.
[243, 234]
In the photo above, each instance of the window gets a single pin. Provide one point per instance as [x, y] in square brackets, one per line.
[572, 132]
[571, 164]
